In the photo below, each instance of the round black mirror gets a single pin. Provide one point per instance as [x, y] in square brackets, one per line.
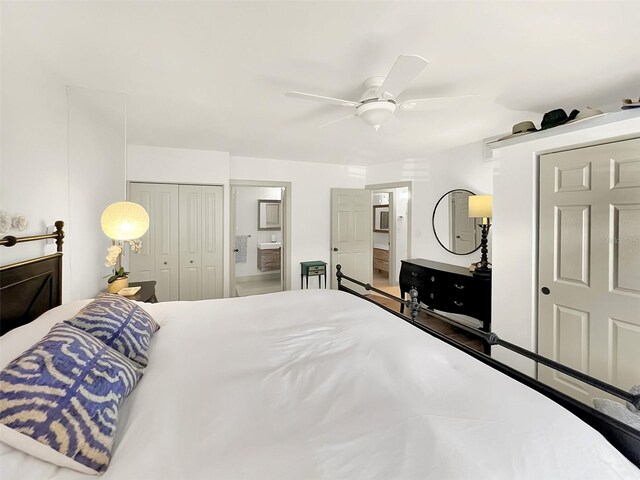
[454, 230]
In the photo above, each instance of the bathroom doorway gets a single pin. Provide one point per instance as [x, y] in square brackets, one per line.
[259, 238]
[391, 207]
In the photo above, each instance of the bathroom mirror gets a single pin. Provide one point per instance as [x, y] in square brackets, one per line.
[454, 230]
[269, 215]
[381, 218]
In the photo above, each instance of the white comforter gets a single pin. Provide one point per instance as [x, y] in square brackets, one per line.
[319, 384]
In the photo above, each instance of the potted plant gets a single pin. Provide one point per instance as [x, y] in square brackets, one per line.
[119, 278]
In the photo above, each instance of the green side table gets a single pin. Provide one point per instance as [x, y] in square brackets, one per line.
[316, 268]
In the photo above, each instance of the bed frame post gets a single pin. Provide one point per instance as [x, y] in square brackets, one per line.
[414, 304]
[339, 275]
[59, 235]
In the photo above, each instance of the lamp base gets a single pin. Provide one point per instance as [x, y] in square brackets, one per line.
[482, 270]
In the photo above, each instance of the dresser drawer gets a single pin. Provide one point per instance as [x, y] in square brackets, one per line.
[412, 277]
[318, 270]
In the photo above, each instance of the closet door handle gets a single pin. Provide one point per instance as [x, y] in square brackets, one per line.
[458, 303]
[190, 261]
[459, 287]
[164, 263]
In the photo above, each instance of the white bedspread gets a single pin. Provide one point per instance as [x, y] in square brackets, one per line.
[319, 384]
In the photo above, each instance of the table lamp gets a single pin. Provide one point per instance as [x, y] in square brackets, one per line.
[481, 206]
[122, 221]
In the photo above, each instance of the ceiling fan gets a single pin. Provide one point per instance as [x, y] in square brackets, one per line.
[378, 103]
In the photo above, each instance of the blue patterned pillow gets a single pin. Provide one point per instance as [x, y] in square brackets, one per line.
[119, 323]
[59, 400]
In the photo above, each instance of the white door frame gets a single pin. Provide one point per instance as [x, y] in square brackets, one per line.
[286, 228]
[379, 187]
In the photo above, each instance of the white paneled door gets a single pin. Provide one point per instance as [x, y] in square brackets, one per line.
[464, 235]
[200, 242]
[589, 265]
[211, 256]
[182, 251]
[158, 259]
[165, 229]
[351, 234]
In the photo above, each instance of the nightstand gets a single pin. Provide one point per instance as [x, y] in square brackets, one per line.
[312, 269]
[146, 294]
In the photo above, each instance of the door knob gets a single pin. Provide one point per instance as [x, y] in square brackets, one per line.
[335, 249]
[190, 261]
[236, 250]
[545, 291]
[164, 263]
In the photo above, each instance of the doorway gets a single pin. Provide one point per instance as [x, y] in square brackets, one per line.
[259, 238]
[390, 210]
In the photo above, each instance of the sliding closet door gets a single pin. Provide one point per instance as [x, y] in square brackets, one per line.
[212, 257]
[142, 265]
[190, 242]
[165, 229]
[158, 259]
[589, 297]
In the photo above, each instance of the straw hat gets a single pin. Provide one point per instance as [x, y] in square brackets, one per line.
[521, 128]
[586, 114]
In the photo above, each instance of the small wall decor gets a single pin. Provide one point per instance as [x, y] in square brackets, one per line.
[15, 222]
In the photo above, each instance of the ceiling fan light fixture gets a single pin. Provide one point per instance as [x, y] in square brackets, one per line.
[376, 113]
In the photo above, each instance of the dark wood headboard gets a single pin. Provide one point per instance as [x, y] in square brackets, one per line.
[30, 288]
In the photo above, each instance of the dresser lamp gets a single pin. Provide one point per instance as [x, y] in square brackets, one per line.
[481, 206]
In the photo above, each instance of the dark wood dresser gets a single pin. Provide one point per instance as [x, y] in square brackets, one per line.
[448, 288]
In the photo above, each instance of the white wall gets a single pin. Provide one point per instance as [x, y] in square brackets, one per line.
[247, 224]
[36, 179]
[432, 176]
[311, 185]
[515, 207]
[33, 175]
[178, 165]
[97, 152]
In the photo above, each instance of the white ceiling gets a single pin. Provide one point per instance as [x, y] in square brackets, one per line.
[212, 75]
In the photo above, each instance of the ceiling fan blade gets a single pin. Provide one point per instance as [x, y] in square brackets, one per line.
[323, 99]
[435, 103]
[404, 71]
[337, 120]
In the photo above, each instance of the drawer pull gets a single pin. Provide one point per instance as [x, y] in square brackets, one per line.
[433, 279]
[431, 296]
[459, 287]
[414, 274]
[458, 303]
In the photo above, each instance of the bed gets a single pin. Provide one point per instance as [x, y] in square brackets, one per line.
[322, 384]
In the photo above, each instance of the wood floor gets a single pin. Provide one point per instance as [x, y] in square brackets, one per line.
[428, 320]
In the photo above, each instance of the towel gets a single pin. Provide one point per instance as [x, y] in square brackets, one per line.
[241, 248]
[629, 415]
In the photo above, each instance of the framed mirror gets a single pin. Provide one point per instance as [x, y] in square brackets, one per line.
[269, 215]
[454, 230]
[381, 218]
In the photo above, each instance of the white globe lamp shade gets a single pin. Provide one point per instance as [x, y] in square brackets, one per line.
[124, 221]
